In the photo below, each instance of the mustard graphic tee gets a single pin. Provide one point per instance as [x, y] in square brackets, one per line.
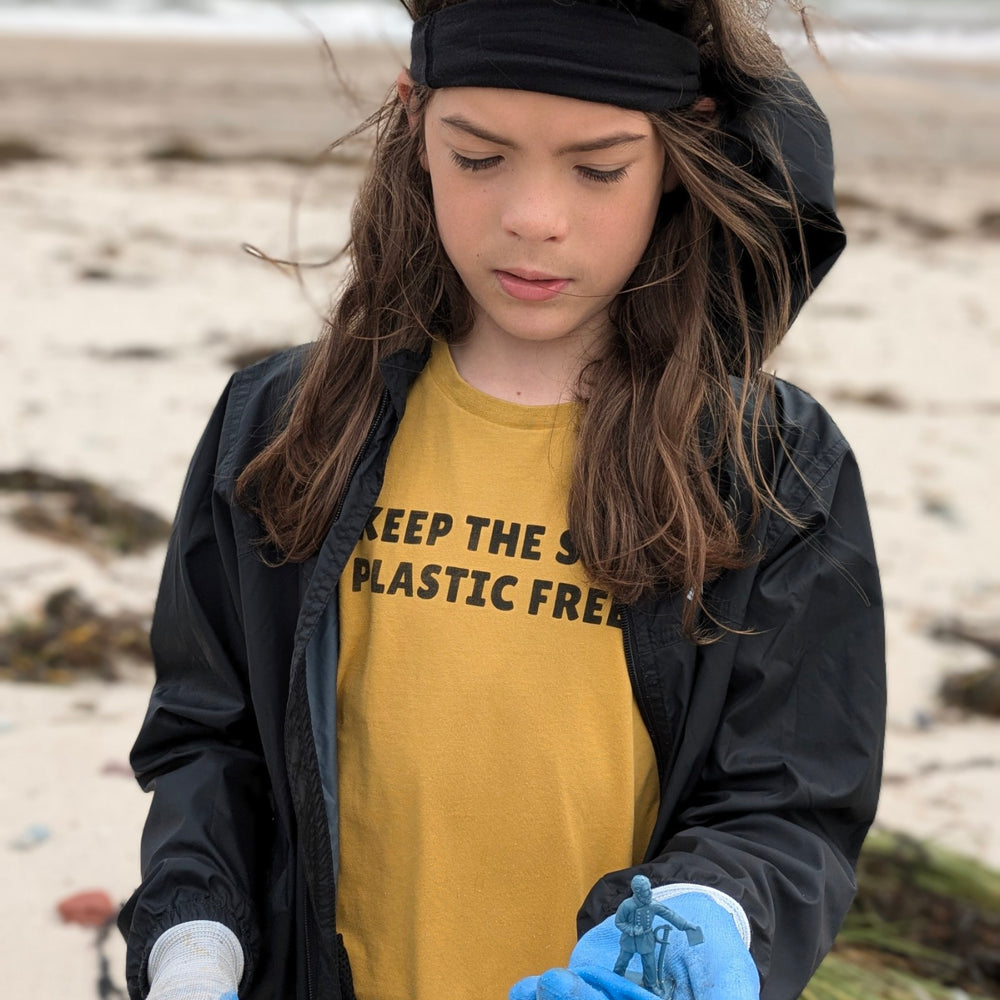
[493, 764]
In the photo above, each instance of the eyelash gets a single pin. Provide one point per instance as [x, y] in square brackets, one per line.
[604, 176]
[474, 166]
[598, 176]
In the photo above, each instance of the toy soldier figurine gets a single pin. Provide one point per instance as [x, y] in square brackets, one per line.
[634, 918]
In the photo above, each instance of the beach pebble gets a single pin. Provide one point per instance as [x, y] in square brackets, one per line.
[90, 908]
[32, 836]
[940, 507]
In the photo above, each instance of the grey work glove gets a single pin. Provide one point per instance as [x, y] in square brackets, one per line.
[196, 960]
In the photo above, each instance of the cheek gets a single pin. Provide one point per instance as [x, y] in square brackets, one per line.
[453, 227]
[645, 211]
[462, 213]
[625, 244]
[445, 210]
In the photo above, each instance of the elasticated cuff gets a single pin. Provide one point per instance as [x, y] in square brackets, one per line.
[144, 932]
[664, 893]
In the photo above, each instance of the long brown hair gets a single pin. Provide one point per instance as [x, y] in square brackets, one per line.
[645, 506]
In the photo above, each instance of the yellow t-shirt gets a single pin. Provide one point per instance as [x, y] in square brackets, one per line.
[493, 764]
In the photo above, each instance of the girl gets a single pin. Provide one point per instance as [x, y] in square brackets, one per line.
[525, 580]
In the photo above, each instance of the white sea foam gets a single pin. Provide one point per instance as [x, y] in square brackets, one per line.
[944, 45]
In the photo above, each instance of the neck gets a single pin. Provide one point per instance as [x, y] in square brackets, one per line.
[532, 373]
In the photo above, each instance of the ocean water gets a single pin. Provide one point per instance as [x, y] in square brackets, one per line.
[962, 30]
[238, 20]
[958, 29]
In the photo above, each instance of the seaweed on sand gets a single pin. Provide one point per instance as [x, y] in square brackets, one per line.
[975, 690]
[925, 926]
[15, 150]
[69, 639]
[82, 512]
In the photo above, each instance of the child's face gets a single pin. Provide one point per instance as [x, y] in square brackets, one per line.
[544, 204]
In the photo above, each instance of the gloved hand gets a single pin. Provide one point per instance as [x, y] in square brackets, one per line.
[196, 960]
[720, 968]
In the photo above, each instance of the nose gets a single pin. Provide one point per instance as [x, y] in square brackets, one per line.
[536, 209]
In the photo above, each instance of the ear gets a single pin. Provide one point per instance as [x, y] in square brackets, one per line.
[404, 89]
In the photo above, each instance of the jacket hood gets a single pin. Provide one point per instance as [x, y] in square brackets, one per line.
[801, 145]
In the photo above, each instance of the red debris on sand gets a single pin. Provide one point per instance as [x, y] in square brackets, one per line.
[92, 908]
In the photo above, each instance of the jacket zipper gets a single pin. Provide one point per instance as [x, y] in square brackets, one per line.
[640, 698]
[310, 992]
[640, 691]
[383, 405]
[630, 660]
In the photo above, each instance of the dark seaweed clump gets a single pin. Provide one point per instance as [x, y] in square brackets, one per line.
[976, 690]
[925, 924]
[72, 639]
[80, 512]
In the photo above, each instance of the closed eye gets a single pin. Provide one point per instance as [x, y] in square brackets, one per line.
[468, 163]
[474, 165]
[603, 176]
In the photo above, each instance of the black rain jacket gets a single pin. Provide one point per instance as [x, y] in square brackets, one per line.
[768, 744]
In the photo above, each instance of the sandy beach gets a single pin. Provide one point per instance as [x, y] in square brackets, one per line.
[131, 174]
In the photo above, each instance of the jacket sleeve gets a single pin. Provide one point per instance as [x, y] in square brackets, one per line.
[198, 750]
[783, 793]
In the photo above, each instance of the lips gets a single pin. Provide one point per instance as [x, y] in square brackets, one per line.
[530, 286]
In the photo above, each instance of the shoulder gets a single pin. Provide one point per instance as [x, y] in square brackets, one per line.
[808, 433]
[792, 423]
[816, 478]
[804, 456]
[252, 407]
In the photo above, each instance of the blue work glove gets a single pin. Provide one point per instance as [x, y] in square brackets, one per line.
[720, 968]
[196, 960]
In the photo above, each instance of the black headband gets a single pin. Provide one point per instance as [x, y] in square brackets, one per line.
[561, 47]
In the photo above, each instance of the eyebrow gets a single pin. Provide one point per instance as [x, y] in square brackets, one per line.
[461, 124]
